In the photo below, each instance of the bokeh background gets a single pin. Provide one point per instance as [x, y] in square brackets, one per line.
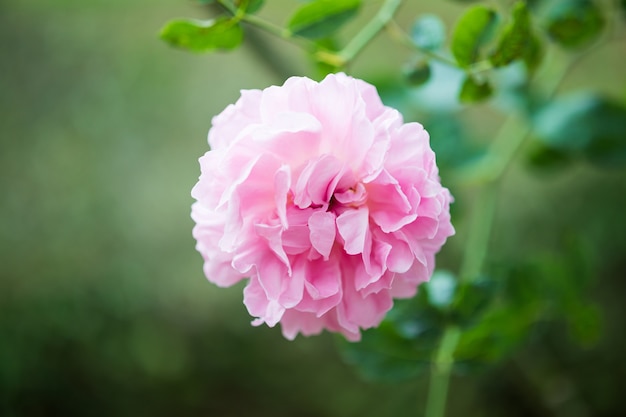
[104, 309]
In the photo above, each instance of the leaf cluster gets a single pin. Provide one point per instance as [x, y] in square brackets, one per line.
[579, 126]
[482, 41]
[495, 316]
[315, 20]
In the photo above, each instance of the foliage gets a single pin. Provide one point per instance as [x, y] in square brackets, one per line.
[201, 36]
[482, 316]
[321, 18]
[472, 31]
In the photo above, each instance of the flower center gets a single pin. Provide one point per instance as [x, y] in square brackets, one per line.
[354, 196]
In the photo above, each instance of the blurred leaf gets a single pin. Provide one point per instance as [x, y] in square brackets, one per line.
[451, 141]
[203, 35]
[417, 318]
[508, 320]
[545, 158]
[404, 344]
[533, 53]
[471, 32]
[549, 287]
[586, 324]
[417, 73]
[428, 32]
[324, 67]
[587, 125]
[470, 300]
[517, 40]
[497, 334]
[384, 354]
[575, 23]
[321, 18]
[473, 90]
[251, 6]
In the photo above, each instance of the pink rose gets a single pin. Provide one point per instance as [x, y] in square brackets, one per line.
[324, 199]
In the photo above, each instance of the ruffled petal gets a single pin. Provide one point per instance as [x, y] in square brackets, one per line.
[322, 232]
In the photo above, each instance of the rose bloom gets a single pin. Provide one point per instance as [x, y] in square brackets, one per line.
[324, 199]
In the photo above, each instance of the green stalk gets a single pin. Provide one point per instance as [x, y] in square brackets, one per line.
[440, 372]
[378, 22]
[396, 32]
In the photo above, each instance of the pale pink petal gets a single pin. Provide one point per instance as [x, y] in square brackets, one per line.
[259, 306]
[314, 184]
[282, 183]
[353, 226]
[390, 208]
[322, 232]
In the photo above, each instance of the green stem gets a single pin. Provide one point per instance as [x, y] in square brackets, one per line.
[499, 155]
[378, 22]
[396, 32]
[479, 234]
[488, 172]
[266, 26]
[440, 373]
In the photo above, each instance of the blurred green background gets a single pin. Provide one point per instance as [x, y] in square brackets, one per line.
[104, 309]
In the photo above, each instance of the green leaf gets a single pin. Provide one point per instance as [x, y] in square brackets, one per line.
[586, 125]
[507, 320]
[404, 344]
[565, 280]
[417, 73]
[474, 91]
[472, 31]
[533, 53]
[575, 23]
[428, 32]
[250, 6]
[470, 301]
[384, 354]
[498, 333]
[586, 324]
[324, 67]
[451, 141]
[203, 35]
[321, 18]
[517, 40]
[545, 158]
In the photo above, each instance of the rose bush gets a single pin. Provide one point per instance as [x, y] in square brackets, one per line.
[325, 199]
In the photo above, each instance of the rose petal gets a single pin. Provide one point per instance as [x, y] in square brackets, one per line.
[322, 232]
